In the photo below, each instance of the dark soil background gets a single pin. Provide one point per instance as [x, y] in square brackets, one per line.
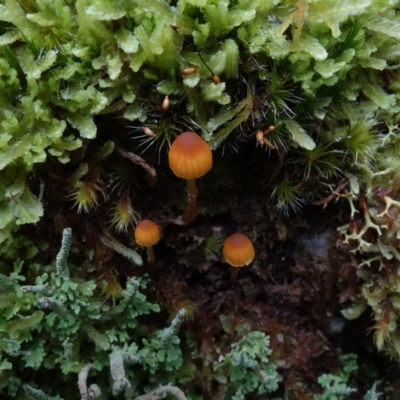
[302, 276]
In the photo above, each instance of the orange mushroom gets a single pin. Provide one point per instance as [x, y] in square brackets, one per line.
[190, 157]
[147, 234]
[238, 252]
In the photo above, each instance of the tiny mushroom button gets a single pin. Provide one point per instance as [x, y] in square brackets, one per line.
[190, 157]
[147, 234]
[238, 252]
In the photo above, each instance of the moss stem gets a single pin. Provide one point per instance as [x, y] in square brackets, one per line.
[192, 201]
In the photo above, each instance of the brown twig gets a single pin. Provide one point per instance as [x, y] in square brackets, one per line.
[324, 202]
[151, 172]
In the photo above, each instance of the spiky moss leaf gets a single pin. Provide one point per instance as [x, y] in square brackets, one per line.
[171, 44]
[111, 61]
[27, 209]
[30, 147]
[197, 3]
[58, 15]
[85, 196]
[321, 162]
[201, 34]
[135, 112]
[127, 41]
[17, 150]
[311, 46]
[329, 67]
[123, 215]
[216, 62]
[334, 12]
[287, 195]
[62, 146]
[105, 11]
[231, 50]
[9, 37]
[15, 14]
[351, 91]
[14, 247]
[6, 217]
[115, 88]
[191, 80]
[390, 52]
[32, 67]
[314, 85]
[347, 56]
[212, 246]
[91, 31]
[299, 135]
[41, 19]
[65, 73]
[162, 8]
[222, 19]
[222, 117]
[84, 124]
[253, 36]
[105, 150]
[4, 14]
[384, 25]
[372, 62]
[241, 113]
[139, 59]
[150, 45]
[378, 95]
[212, 92]
[8, 77]
[89, 100]
[14, 328]
[359, 141]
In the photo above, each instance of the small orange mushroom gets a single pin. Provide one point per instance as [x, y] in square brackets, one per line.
[147, 234]
[238, 252]
[190, 157]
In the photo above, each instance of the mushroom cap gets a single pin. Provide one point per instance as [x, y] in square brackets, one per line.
[147, 233]
[189, 156]
[238, 250]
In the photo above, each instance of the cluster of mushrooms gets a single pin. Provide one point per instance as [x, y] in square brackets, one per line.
[190, 157]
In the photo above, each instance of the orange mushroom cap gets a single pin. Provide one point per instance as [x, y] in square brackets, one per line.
[238, 250]
[190, 157]
[147, 233]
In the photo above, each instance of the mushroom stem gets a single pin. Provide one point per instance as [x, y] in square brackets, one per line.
[150, 254]
[234, 274]
[192, 201]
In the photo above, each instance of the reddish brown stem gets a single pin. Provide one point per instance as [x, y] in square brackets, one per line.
[234, 274]
[150, 255]
[192, 201]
